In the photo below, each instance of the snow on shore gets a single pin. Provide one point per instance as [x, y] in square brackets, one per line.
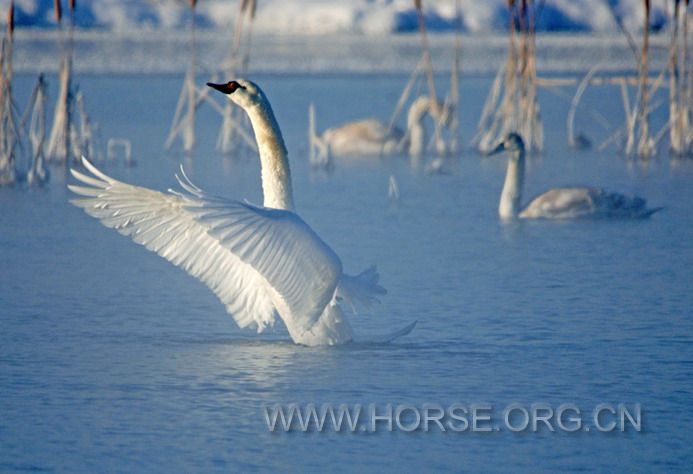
[320, 17]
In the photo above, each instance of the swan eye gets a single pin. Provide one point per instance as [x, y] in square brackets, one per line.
[231, 87]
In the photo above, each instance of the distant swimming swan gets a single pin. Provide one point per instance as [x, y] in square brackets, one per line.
[370, 137]
[259, 261]
[560, 203]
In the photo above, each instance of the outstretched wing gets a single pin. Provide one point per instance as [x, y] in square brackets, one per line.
[258, 261]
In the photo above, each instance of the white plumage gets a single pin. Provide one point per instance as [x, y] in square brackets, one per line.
[260, 261]
[561, 203]
[368, 138]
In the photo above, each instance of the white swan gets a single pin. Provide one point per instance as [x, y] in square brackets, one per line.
[560, 203]
[259, 261]
[370, 137]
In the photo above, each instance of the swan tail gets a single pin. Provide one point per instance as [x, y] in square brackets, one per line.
[390, 337]
[360, 291]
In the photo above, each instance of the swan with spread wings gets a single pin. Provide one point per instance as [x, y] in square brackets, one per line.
[260, 261]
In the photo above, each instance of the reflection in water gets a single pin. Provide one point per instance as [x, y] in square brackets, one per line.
[511, 229]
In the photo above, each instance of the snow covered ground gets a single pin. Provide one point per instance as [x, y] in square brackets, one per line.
[319, 17]
[312, 36]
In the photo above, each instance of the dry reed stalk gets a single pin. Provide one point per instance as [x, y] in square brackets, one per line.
[570, 122]
[644, 145]
[7, 167]
[675, 122]
[246, 12]
[680, 133]
[617, 135]
[9, 131]
[10, 42]
[529, 106]
[235, 124]
[58, 9]
[85, 137]
[183, 124]
[189, 134]
[499, 99]
[428, 68]
[10, 18]
[512, 104]
[36, 114]
[37, 124]
[454, 97]
[687, 85]
[72, 6]
[59, 143]
[487, 114]
[595, 114]
[404, 96]
[428, 65]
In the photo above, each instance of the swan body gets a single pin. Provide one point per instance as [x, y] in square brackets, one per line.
[370, 137]
[560, 203]
[576, 203]
[261, 262]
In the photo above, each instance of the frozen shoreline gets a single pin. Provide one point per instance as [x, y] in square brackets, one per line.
[169, 52]
[365, 17]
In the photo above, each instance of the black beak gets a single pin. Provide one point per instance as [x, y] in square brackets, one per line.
[227, 88]
[220, 87]
[498, 149]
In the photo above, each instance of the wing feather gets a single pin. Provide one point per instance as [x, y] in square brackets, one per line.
[257, 261]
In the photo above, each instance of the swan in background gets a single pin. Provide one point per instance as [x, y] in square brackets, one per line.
[259, 261]
[560, 203]
[370, 137]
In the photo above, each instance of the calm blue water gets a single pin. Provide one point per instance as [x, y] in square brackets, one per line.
[111, 359]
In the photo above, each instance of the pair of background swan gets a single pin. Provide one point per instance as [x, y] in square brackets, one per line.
[372, 138]
[261, 262]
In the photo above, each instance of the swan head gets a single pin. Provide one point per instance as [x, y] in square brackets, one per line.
[241, 92]
[511, 144]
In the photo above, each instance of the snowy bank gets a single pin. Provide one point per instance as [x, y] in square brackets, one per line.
[364, 17]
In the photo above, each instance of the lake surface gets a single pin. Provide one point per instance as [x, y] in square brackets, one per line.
[111, 359]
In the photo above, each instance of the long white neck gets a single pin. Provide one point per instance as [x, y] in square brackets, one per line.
[512, 189]
[274, 162]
